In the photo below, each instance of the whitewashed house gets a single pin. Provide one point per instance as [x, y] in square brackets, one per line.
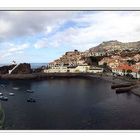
[56, 69]
[82, 68]
[123, 70]
[73, 69]
[95, 70]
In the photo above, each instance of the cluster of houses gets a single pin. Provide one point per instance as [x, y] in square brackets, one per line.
[73, 69]
[121, 66]
[125, 69]
[72, 62]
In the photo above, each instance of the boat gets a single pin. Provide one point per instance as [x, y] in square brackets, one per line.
[16, 88]
[11, 94]
[3, 98]
[2, 85]
[30, 91]
[31, 100]
[1, 93]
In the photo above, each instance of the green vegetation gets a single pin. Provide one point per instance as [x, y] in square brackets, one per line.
[131, 62]
[129, 71]
[2, 117]
[123, 71]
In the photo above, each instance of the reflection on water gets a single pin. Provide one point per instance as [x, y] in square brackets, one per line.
[69, 104]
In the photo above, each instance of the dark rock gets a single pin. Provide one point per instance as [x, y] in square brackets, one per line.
[23, 68]
[5, 69]
[40, 69]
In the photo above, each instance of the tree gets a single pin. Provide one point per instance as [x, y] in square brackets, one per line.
[123, 71]
[104, 65]
[131, 62]
[129, 71]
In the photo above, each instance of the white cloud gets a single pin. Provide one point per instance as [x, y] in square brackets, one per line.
[41, 43]
[102, 26]
[12, 49]
[25, 23]
[89, 29]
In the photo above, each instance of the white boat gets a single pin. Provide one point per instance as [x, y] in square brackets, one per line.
[31, 100]
[11, 94]
[30, 91]
[1, 93]
[16, 88]
[2, 85]
[3, 98]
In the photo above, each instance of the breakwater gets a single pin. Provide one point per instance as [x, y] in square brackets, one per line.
[43, 76]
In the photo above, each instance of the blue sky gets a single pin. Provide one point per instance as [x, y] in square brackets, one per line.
[43, 36]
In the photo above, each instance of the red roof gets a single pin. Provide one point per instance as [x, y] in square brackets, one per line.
[126, 67]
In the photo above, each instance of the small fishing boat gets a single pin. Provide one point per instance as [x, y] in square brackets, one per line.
[1, 93]
[31, 100]
[3, 98]
[11, 94]
[30, 91]
[2, 85]
[16, 88]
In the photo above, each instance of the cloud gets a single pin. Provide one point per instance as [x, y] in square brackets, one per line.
[20, 47]
[25, 23]
[102, 26]
[12, 49]
[60, 29]
[41, 43]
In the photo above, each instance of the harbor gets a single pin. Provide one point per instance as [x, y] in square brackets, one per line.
[76, 102]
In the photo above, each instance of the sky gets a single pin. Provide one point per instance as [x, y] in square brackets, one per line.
[43, 36]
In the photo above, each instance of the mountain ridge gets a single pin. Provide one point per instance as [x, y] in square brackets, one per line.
[115, 44]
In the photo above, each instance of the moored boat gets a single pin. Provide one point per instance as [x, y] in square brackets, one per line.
[31, 100]
[16, 88]
[11, 94]
[2, 85]
[30, 91]
[3, 98]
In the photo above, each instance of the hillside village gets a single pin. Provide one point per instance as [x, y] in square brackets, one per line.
[122, 59]
[74, 62]
[111, 58]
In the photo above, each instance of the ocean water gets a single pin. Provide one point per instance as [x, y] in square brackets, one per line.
[69, 104]
[37, 65]
[33, 65]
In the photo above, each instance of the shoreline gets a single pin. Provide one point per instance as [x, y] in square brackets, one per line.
[43, 76]
[40, 76]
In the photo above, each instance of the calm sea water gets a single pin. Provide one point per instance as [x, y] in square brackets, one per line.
[69, 104]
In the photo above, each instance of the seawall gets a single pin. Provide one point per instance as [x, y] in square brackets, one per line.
[42, 76]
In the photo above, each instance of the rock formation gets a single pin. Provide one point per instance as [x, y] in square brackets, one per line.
[23, 68]
[5, 69]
